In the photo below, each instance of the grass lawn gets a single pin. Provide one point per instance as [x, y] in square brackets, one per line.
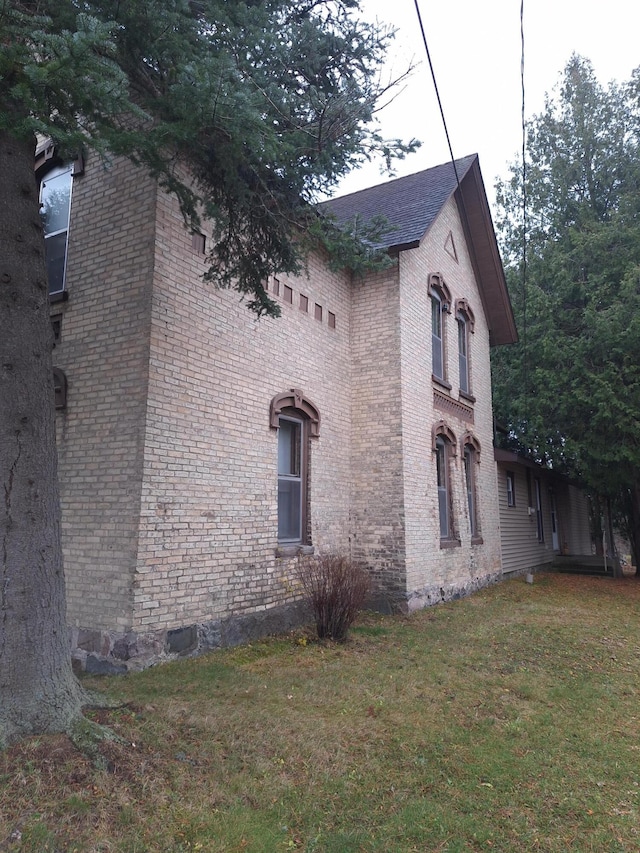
[508, 721]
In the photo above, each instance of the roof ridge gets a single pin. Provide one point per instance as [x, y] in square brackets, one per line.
[387, 183]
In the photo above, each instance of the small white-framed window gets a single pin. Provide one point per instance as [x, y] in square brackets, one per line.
[55, 209]
[511, 488]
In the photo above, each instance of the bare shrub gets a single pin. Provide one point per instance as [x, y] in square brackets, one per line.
[336, 589]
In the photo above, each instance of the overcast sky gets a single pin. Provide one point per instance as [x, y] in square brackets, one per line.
[475, 49]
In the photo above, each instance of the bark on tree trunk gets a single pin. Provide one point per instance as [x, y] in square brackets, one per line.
[38, 691]
[634, 526]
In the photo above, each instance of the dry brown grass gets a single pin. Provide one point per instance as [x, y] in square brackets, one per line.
[507, 721]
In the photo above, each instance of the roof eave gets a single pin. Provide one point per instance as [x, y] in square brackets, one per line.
[476, 216]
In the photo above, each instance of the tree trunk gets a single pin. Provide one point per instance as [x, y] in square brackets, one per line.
[38, 691]
[634, 525]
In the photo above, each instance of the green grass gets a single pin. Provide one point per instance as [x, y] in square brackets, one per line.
[507, 721]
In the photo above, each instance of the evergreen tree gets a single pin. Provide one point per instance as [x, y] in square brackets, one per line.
[246, 111]
[569, 391]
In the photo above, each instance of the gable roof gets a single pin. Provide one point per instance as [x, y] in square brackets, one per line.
[411, 205]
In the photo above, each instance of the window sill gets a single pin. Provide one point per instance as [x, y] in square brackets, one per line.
[441, 382]
[477, 540]
[295, 549]
[61, 296]
[468, 397]
[450, 543]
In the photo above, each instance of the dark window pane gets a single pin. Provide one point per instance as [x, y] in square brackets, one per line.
[463, 361]
[289, 509]
[56, 254]
[289, 448]
[443, 492]
[436, 338]
[468, 476]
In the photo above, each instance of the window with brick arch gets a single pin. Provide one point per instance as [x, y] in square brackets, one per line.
[443, 480]
[292, 478]
[471, 487]
[471, 460]
[444, 448]
[440, 299]
[466, 324]
[297, 421]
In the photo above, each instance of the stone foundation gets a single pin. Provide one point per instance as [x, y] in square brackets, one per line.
[112, 653]
[428, 596]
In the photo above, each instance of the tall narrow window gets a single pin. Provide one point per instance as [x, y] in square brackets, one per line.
[437, 342]
[469, 479]
[297, 420]
[290, 479]
[463, 353]
[539, 510]
[440, 298]
[466, 324]
[444, 448]
[55, 207]
[511, 488]
[442, 475]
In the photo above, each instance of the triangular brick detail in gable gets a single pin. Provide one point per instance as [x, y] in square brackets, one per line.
[450, 247]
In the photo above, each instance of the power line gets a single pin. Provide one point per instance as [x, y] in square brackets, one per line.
[435, 86]
[525, 365]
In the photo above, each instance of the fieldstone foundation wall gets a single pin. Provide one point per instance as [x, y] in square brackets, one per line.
[111, 653]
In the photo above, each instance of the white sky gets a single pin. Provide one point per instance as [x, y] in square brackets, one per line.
[475, 50]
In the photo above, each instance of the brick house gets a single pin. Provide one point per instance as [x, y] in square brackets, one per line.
[202, 451]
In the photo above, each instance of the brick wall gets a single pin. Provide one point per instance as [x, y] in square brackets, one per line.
[377, 511]
[103, 350]
[168, 462]
[433, 572]
[208, 533]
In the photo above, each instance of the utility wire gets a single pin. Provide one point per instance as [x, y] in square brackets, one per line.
[435, 86]
[525, 357]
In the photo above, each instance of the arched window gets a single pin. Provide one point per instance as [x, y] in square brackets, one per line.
[466, 324]
[471, 459]
[297, 419]
[444, 447]
[440, 297]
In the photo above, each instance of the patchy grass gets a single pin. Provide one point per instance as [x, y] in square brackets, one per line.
[507, 721]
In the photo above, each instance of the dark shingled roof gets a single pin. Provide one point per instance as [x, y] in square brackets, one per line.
[410, 204]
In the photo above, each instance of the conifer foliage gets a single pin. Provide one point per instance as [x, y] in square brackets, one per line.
[246, 111]
[569, 391]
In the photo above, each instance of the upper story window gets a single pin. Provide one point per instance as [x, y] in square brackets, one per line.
[511, 488]
[440, 303]
[55, 208]
[437, 336]
[466, 323]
